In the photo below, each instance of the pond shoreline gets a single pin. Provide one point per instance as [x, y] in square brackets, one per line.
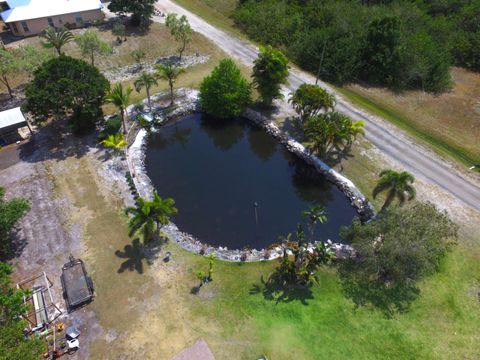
[189, 105]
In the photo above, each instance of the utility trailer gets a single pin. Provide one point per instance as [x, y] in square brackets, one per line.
[77, 286]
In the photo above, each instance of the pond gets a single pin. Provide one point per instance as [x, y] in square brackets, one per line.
[217, 171]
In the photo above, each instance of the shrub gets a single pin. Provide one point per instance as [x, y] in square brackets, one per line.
[225, 93]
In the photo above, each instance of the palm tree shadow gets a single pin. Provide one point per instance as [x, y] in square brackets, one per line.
[275, 289]
[133, 255]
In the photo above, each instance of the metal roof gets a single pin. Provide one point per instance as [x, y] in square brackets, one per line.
[11, 117]
[34, 9]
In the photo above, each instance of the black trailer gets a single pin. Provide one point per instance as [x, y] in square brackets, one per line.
[77, 286]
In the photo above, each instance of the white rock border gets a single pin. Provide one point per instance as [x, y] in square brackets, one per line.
[190, 104]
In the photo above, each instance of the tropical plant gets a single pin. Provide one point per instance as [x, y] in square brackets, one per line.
[169, 72]
[150, 215]
[315, 214]
[308, 100]
[10, 213]
[64, 87]
[180, 29]
[332, 131]
[397, 184]
[211, 262]
[201, 277]
[146, 81]
[120, 97]
[90, 44]
[138, 56]
[115, 142]
[56, 38]
[270, 71]
[120, 30]
[299, 263]
[225, 93]
[141, 10]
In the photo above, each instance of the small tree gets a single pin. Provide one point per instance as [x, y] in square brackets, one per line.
[57, 38]
[120, 97]
[120, 30]
[270, 71]
[398, 185]
[141, 10]
[64, 87]
[10, 213]
[13, 60]
[308, 100]
[115, 142]
[146, 81]
[225, 93]
[180, 29]
[170, 73]
[90, 45]
[211, 262]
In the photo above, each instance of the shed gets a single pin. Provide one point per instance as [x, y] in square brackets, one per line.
[10, 121]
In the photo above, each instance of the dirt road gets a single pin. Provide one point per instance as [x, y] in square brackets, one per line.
[390, 140]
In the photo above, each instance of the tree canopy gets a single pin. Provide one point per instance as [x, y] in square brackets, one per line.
[141, 10]
[393, 252]
[225, 93]
[66, 87]
[308, 100]
[399, 44]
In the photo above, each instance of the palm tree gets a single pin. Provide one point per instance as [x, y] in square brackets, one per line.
[150, 214]
[56, 38]
[316, 214]
[398, 185]
[120, 97]
[146, 81]
[170, 73]
[116, 142]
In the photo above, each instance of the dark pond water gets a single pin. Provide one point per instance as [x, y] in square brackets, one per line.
[217, 171]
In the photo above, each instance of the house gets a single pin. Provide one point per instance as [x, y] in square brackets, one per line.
[31, 17]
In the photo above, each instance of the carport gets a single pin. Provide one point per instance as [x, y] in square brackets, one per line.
[10, 122]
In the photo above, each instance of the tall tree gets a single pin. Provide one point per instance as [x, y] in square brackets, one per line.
[141, 10]
[150, 215]
[64, 87]
[180, 30]
[90, 45]
[270, 71]
[398, 185]
[120, 97]
[146, 80]
[57, 38]
[169, 72]
[308, 100]
[10, 212]
[225, 93]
